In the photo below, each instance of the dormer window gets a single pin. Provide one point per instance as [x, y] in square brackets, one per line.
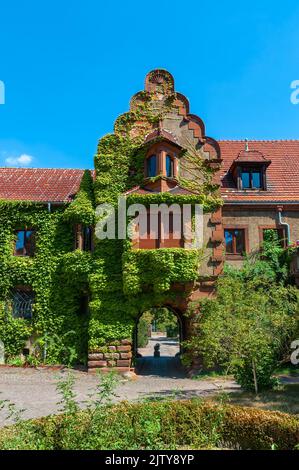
[251, 178]
[152, 166]
[249, 170]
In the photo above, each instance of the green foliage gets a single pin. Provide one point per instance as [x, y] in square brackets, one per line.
[209, 203]
[57, 276]
[113, 274]
[13, 332]
[81, 210]
[158, 269]
[165, 320]
[155, 425]
[270, 264]
[142, 335]
[249, 327]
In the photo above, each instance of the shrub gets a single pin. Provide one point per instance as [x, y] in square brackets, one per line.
[157, 425]
[142, 336]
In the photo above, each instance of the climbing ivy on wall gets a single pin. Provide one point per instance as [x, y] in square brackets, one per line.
[126, 281]
[120, 282]
[57, 275]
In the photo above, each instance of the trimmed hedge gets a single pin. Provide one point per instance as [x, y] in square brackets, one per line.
[158, 425]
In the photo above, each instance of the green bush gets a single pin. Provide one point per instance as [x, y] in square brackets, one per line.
[142, 335]
[157, 425]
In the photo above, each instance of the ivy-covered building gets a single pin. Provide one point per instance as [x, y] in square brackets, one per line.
[69, 295]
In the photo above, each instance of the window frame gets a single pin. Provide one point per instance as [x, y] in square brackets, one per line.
[236, 256]
[251, 168]
[32, 250]
[161, 150]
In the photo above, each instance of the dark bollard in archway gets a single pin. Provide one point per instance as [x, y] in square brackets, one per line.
[157, 350]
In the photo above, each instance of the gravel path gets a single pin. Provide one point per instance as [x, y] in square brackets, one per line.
[35, 389]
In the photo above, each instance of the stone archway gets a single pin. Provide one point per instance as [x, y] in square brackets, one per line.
[167, 362]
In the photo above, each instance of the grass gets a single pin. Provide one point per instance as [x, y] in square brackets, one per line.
[285, 399]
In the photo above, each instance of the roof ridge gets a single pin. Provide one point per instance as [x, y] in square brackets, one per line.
[258, 140]
[42, 168]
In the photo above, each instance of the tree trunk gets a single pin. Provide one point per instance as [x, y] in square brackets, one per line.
[254, 377]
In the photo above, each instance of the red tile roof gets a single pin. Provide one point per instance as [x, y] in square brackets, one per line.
[59, 185]
[282, 173]
[39, 184]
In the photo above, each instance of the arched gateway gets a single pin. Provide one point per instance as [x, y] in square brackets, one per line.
[164, 168]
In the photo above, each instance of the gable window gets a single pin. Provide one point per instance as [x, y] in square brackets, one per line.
[25, 243]
[251, 178]
[235, 241]
[22, 303]
[152, 166]
[169, 166]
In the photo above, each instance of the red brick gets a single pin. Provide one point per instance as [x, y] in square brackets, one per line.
[124, 348]
[125, 355]
[93, 364]
[95, 357]
[111, 355]
[123, 363]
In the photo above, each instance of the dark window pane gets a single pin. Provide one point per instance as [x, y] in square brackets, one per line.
[87, 235]
[245, 179]
[151, 166]
[240, 245]
[25, 243]
[169, 166]
[229, 241]
[256, 179]
[20, 243]
[29, 243]
[22, 302]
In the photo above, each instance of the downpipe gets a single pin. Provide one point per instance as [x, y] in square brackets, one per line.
[286, 225]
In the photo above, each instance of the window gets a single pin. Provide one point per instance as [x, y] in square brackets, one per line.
[161, 234]
[25, 243]
[251, 178]
[87, 238]
[274, 235]
[22, 302]
[169, 166]
[235, 241]
[152, 166]
[83, 237]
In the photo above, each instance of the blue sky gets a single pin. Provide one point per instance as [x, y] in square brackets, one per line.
[70, 68]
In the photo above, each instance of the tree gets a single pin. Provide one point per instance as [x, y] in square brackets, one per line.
[249, 326]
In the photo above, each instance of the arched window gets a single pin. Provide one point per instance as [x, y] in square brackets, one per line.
[169, 166]
[152, 166]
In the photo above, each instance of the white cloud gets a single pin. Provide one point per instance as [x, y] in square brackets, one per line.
[22, 160]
